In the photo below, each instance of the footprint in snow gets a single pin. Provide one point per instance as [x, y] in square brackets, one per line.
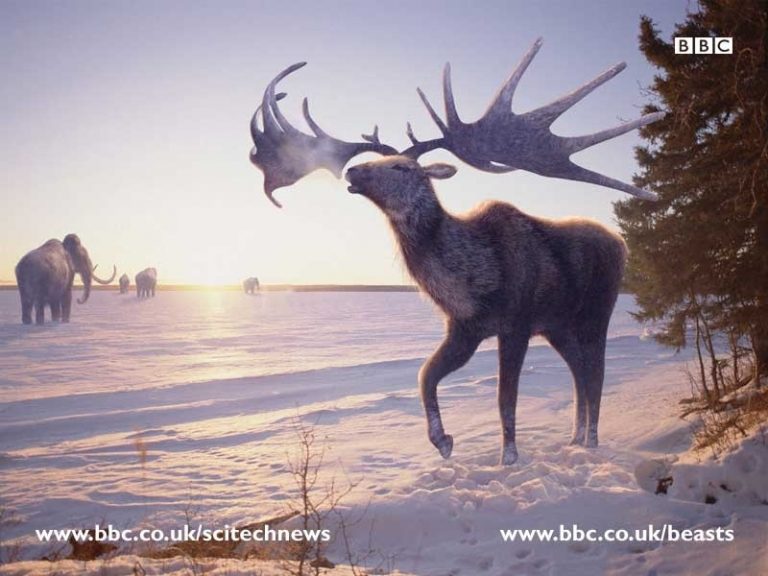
[524, 553]
[485, 564]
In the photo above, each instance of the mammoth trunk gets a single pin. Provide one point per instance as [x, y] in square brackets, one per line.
[88, 275]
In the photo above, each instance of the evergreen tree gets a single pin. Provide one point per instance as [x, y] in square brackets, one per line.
[699, 256]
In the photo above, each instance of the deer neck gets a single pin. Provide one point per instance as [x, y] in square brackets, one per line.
[417, 229]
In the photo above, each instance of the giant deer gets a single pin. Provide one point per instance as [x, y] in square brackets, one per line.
[497, 271]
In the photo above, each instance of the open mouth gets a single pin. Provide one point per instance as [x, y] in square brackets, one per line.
[354, 187]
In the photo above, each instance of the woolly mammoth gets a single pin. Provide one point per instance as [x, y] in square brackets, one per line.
[45, 277]
[250, 285]
[125, 283]
[146, 281]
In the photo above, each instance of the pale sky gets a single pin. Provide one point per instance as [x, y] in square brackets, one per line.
[127, 122]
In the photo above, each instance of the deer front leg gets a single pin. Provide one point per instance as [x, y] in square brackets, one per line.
[567, 345]
[453, 353]
[512, 349]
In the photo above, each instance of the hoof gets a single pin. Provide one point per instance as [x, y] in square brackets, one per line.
[509, 457]
[591, 443]
[579, 436]
[445, 446]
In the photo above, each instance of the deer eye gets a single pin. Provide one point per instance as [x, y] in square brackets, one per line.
[400, 168]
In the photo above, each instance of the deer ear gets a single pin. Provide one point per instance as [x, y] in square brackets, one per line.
[440, 171]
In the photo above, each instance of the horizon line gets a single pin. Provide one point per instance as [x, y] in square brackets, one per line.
[264, 287]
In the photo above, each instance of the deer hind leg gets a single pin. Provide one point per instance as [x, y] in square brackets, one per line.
[457, 348]
[567, 345]
[512, 349]
[593, 375]
[585, 356]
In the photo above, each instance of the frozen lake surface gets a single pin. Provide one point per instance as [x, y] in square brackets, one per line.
[119, 343]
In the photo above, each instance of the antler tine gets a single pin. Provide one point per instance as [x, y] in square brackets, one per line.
[418, 147]
[372, 138]
[432, 113]
[451, 115]
[409, 132]
[576, 172]
[552, 111]
[311, 121]
[282, 121]
[269, 103]
[256, 134]
[502, 103]
[577, 143]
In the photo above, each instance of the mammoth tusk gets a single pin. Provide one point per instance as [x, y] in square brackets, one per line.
[99, 280]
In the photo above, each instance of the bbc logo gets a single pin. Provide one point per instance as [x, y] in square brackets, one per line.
[704, 45]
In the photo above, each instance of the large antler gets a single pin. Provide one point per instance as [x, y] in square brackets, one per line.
[286, 154]
[499, 142]
[502, 141]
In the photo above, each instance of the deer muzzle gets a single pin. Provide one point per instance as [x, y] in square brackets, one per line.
[357, 179]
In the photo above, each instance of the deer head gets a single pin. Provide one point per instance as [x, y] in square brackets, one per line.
[500, 141]
[398, 185]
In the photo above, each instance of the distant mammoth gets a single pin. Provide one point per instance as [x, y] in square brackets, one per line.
[146, 282]
[45, 277]
[125, 283]
[250, 285]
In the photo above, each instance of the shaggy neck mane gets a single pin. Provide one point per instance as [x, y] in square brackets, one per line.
[416, 230]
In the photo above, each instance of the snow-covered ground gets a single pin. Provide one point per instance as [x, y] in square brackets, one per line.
[139, 413]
